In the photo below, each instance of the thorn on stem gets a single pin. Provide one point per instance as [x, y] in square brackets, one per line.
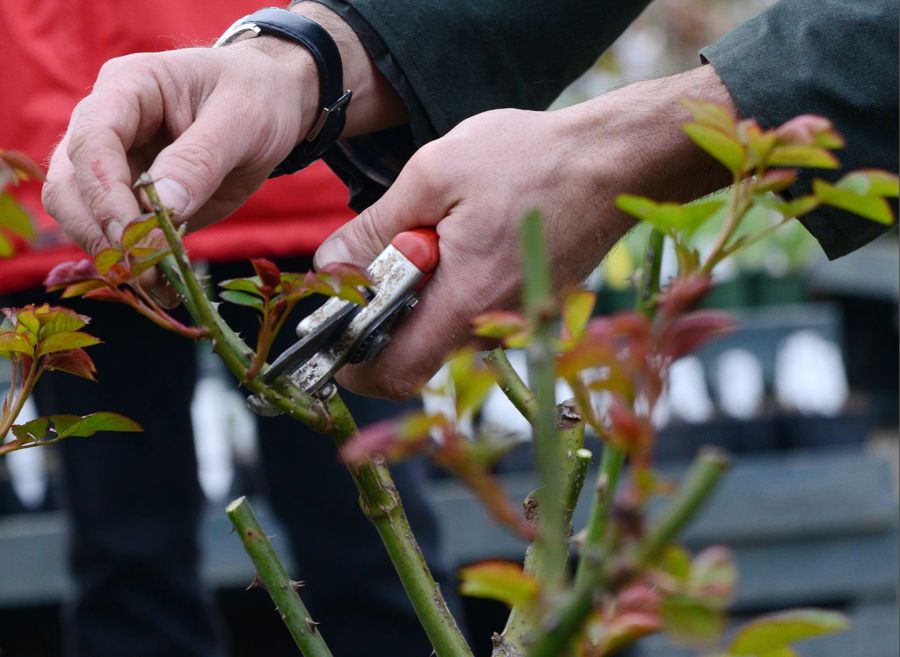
[296, 585]
[311, 624]
[578, 538]
[255, 584]
[602, 485]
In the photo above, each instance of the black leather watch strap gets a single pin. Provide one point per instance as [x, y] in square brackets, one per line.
[333, 98]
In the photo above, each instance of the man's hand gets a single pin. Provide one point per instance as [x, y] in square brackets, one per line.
[475, 184]
[208, 124]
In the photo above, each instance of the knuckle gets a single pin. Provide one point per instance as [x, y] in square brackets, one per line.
[111, 67]
[125, 65]
[397, 388]
[92, 243]
[196, 160]
[370, 228]
[50, 196]
[428, 165]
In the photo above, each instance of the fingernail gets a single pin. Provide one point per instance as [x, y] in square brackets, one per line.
[333, 250]
[173, 195]
[114, 232]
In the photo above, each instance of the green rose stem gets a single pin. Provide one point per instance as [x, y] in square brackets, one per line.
[378, 495]
[589, 574]
[14, 404]
[511, 383]
[271, 575]
[522, 618]
[697, 486]
[225, 342]
[699, 482]
[540, 308]
[381, 503]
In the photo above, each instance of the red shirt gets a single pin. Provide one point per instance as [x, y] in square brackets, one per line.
[52, 52]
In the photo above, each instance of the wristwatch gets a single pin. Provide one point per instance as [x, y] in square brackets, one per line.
[327, 128]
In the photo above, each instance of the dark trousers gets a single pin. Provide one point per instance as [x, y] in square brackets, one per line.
[134, 503]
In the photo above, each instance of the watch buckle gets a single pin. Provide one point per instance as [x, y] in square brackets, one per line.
[325, 113]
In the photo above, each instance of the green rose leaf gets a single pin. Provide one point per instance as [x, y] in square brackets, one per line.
[797, 155]
[6, 247]
[472, 381]
[639, 207]
[871, 182]
[709, 114]
[675, 561]
[107, 259]
[690, 621]
[11, 341]
[713, 575]
[59, 320]
[576, 311]
[57, 427]
[766, 635]
[14, 218]
[249, 285]
[873, 208]
[66, 340]
[136, 231]
[669, 216]
[725, 149]
[143, 258]
[28, 324]
[499, 580]
[242, 299]
[78, 289]
[506, 325]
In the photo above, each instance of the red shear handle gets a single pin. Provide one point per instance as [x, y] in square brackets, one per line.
[420, 246]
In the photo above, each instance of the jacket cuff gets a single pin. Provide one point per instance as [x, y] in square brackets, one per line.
[369, 164]
[819, 56]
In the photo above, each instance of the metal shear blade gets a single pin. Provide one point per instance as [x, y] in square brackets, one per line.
[339, 332]
[310, 344]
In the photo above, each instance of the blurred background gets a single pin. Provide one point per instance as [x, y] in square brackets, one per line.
[804, 393]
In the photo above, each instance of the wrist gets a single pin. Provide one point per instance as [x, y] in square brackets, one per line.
[639, 132]
[375, 104]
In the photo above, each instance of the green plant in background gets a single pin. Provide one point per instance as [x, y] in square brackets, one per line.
[40, 339]
[15, 167]
[631, 579]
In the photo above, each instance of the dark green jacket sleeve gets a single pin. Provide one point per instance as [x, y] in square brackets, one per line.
[449, 60]
[837, 58]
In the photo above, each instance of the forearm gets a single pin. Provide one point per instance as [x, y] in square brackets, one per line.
[634, 137]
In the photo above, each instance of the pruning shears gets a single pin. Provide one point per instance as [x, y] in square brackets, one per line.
[341, 332]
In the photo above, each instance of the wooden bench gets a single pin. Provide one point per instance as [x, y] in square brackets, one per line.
[807, 528]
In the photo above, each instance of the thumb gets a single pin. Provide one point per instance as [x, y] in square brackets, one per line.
[191, 169]
[409, 203]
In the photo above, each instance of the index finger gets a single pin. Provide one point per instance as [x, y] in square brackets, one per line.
[62, 201]
[104, 126]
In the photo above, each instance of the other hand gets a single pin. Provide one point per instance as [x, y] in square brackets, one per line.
[475, 184]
